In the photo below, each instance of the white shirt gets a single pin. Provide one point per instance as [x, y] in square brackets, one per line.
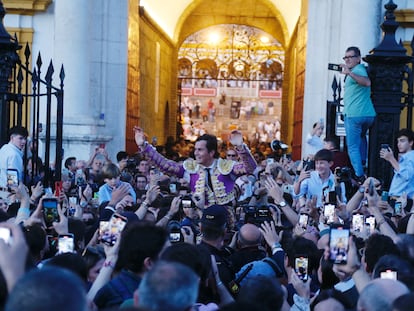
[313, 144]
[314, 186]
[10, 157]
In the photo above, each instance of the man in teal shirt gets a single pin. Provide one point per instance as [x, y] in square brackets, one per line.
[359, 111]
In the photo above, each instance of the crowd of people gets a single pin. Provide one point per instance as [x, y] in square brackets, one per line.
[196, 115]
[219, 229]
[206, 225]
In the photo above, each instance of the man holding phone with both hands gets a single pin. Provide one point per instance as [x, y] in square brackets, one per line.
[358, 111]
[320, 182]
[403, 179]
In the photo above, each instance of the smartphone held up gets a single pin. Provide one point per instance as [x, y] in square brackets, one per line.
[5, 235]
[50, 211]
[335, 67]
[66, 243]
[338, 244]
[12, 179]
[301, 267]
[174, 231]
[303, 220]
[385, 146]
[109, 231]
[371, 187]
[389, 274]
[358, 223]
[58, 188]
[329, 213]
[370, 223]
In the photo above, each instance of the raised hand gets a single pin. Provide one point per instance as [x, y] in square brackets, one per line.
[386, 154]
[269, 233]
[13, 255]
[22, 193]
[87, 193]
[188, 234]
[37, 216]
[62, 226]
[175, 206]
[118, 194]
[236, 138]
[139, 136]
[152, 193]
[273, 189]
[353, 263]
[304, 174]
[302, 288]
[37, 190]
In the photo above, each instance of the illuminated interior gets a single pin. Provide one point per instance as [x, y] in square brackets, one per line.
[230, 77]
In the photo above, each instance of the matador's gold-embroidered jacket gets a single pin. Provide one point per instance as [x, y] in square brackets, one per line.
[223, 174]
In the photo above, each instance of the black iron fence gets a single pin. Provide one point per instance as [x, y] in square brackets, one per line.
[334, 107]
[27, 97]
[44, 98]
[408, 96]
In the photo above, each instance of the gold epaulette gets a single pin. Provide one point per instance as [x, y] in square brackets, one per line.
[225, 166]
[191, 166]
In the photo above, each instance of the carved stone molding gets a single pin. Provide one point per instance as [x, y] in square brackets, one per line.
[405, 17]
[26, 7]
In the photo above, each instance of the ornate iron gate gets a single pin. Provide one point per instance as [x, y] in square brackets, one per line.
[390, 71]
[24, 95]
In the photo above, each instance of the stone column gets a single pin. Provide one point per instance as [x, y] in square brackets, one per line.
[91, 41]
[332, 27]
[8, 59]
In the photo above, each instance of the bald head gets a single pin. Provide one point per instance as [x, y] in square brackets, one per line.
[380, 294]
[249, 235]
[330, 304]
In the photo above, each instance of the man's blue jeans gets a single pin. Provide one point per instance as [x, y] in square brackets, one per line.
[356, 138]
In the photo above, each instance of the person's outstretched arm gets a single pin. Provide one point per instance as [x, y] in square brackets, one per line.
[225, 296]
[105, 274]
[165, 165]
[150, 197]
[276, 192]
[248, 163]
[13, 255]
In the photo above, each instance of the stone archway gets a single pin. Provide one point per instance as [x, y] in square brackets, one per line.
[257, 13]
[264, 15]
[197, 15]
[238, 71]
